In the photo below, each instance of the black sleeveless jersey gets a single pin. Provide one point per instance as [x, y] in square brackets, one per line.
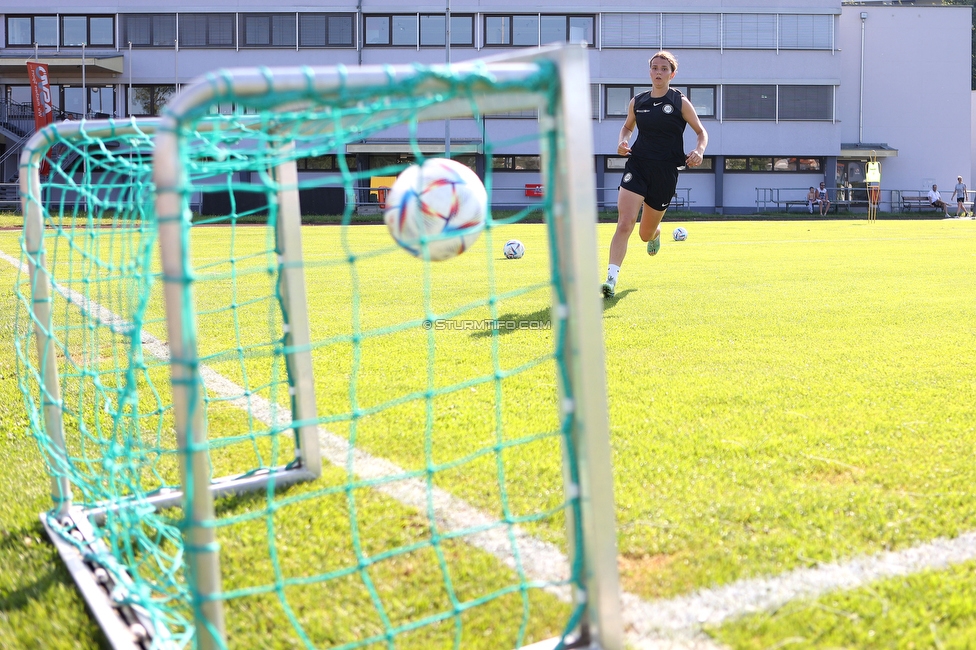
[660, 127]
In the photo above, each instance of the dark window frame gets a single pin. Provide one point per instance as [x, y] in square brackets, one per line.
[156, 102]
[607, 114]
[772, 108]
[454, 43]
[768, 165]
[632, 88]
[615, 165]
[749, 108]
[816, 106]
[244, 19]
[391, 27]
[305, 38]
[326, 163]
[508, 39]
[509, 163]
[33, 30]
[88, 30]
[156, 30]
[209, 40]
[569, 26]
[692, 87]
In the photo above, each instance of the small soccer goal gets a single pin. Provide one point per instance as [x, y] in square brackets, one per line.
[190, 353]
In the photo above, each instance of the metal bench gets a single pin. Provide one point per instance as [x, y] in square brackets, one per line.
[909, 203]
[798, 204]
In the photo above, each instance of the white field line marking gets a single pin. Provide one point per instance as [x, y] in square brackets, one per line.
[673, 624]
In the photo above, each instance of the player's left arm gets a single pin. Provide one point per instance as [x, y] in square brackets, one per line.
[691, 117]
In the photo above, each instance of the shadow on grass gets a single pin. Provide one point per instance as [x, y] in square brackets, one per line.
[229, 504]
[32, 548]
[610, 303]
[540, 320]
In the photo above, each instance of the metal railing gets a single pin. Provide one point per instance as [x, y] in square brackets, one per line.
[9, 196]
[794, 199]
[607, 198]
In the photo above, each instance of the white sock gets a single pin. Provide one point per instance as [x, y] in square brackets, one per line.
[612, 271]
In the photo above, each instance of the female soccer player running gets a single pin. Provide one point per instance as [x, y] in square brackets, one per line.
[651, 174]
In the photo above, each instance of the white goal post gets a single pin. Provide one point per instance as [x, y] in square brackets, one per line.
[575, 220]
[554, 81]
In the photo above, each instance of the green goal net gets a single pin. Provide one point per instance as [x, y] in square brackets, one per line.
[268, 434]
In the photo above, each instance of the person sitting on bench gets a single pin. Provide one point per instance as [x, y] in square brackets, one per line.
[935, 198]
[812, 199]
[824, 201]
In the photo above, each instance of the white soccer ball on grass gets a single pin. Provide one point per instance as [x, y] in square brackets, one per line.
[514, 249]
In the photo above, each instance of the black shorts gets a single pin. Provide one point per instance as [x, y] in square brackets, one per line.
[655, 181]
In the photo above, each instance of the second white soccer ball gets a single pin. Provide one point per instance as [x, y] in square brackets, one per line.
[680, 234]
[439, 206]
[514, 249]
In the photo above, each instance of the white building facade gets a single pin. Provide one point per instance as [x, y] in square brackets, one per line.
[791, 94]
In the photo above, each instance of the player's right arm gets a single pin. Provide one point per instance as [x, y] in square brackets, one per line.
[627, 130]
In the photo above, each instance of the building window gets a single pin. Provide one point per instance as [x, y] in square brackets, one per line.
[232, 108]
[631, 30]
[618, 99]
[396, 30]
[566, 29]
[432, 30]
[96, 101]
[805, 102]
[93, 31]
[526, 113]
[207, 30]
[24, 31]
[749, 31]
[767, 164]
[737, 31]
[326, 30]
[805, 32]
[148, 100]
[691, 30]
[149, 30]
[268, 30]
[748, 102]
[22, 95]
[525, 31]
[326, 163]
[101, 101]
[516, 163]
[520, 30]
[707, 164]
[498, 30]
[617, 164]
[701, 97]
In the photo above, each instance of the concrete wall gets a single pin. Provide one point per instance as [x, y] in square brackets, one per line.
[915, 95]
[916, 91]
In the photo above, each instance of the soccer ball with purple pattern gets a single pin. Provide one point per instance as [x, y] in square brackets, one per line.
[514, 249]
[437, 209]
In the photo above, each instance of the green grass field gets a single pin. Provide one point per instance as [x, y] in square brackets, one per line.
[781, 394]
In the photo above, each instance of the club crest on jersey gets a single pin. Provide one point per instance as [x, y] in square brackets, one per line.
[668, 108]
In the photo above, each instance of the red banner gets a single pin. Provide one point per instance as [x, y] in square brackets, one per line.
[41, 96]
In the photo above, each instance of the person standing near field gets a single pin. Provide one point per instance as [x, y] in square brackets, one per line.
[660, 116]
[959, 194]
